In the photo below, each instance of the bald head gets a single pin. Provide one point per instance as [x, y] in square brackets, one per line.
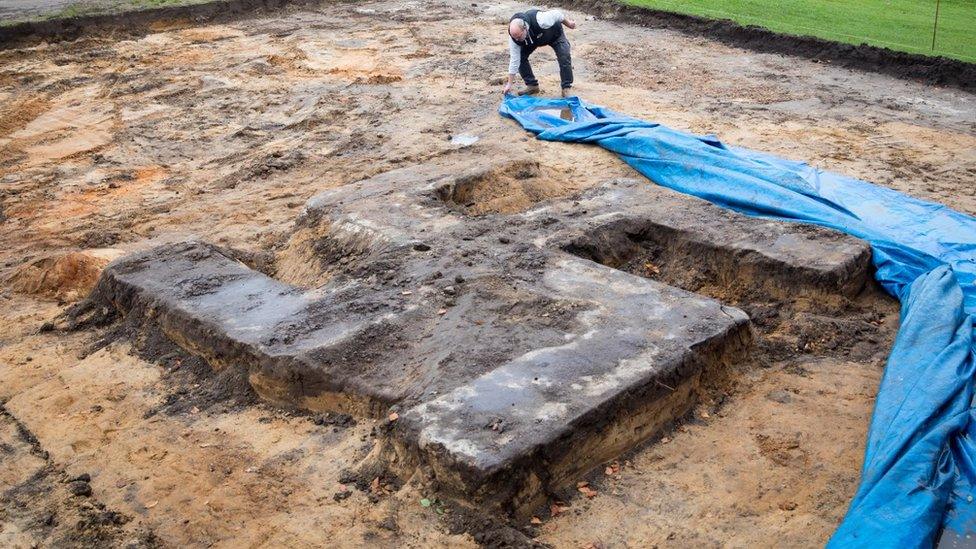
[518, 29]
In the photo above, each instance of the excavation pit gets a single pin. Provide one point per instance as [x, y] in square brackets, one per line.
[510, 188]
[688, 243]
[196, 107]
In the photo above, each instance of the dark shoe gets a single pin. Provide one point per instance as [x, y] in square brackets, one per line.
[567, 92]
[529, 90]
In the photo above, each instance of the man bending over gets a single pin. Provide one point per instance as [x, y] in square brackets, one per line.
[529, 30]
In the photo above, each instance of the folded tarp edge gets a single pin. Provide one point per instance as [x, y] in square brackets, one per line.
[919, 470]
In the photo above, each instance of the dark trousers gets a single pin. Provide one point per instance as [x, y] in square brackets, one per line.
[561, 47]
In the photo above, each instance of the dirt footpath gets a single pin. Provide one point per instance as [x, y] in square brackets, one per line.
[222, 132]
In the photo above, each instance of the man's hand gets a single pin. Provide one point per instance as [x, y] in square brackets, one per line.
[508, 86]
[569, 23]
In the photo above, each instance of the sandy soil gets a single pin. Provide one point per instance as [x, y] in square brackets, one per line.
[222, 132]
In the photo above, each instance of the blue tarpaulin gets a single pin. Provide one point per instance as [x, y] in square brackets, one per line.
[919, 469]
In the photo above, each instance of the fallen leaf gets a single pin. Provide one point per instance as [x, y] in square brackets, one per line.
[394, 416]
[536, 520]
[442, 311]
[584, 488]
[375, 485]
[425, 502]
[406, 292]
[153, 504]
[556, 508]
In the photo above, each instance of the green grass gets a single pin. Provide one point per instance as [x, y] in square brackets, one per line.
[904, 25]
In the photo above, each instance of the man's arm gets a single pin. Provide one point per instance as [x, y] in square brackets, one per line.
[514, 60]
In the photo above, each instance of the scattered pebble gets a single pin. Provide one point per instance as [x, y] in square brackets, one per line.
[80, 488]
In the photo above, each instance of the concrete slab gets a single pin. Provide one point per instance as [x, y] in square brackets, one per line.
[516, 366]
[217, 307]
[632, 364]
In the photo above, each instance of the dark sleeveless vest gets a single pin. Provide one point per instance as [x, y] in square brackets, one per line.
[537, 35]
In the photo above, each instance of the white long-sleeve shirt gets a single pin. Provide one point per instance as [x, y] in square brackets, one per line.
[545, 19]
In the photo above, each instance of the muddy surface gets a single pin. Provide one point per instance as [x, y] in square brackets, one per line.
[941, 71]
[30, 22]
[33, 21]
[223, 131]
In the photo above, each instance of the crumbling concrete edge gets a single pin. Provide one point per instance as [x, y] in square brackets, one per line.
[523, 486]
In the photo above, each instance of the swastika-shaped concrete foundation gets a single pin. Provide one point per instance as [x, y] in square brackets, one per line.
[517, 356]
